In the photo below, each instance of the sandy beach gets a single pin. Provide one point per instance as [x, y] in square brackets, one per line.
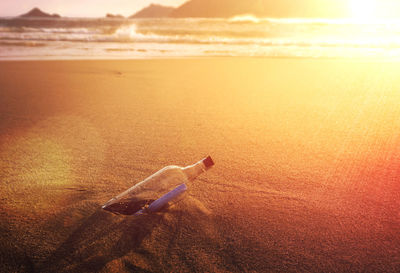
[306, 175]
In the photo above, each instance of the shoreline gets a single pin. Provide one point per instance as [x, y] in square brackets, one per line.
[58, 59]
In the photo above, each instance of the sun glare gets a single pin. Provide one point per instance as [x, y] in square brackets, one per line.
[364, 10]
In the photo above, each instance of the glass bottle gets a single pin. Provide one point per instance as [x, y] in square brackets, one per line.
[154, 192]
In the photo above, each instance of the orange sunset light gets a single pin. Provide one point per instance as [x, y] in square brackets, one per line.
[287, 110]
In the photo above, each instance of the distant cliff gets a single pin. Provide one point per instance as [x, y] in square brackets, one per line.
[114, 16]
[36, 12]
[263, 8]
[211, 8]
[153, 11]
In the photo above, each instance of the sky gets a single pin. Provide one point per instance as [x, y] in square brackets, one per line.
[362, 9]
[80, 8]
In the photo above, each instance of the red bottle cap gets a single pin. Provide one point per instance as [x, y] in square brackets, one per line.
[208, 162]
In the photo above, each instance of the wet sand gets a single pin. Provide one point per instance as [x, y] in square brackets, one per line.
[306, 179]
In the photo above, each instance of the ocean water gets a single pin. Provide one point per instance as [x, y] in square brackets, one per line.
[80, 38]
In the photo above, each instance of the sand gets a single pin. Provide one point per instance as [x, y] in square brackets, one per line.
[306, 179]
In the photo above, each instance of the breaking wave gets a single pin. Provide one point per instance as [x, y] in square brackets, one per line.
[240, 35]
[246, 18]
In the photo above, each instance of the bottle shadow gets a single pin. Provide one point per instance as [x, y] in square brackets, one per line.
[100, 239]
[105, 242]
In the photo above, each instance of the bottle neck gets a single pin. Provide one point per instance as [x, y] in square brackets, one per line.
[194, 170]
